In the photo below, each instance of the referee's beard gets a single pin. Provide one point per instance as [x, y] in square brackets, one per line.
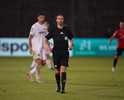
[60, 23]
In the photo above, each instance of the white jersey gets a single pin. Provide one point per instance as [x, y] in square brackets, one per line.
[38, 31]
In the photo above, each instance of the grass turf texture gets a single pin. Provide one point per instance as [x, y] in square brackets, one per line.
[88, 78]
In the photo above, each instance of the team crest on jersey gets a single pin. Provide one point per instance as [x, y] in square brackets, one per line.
[66, 38]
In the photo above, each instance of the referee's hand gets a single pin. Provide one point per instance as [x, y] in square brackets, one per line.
[71, 47]
[48, 48]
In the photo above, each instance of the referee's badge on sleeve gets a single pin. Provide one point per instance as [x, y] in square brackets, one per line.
[66, 38]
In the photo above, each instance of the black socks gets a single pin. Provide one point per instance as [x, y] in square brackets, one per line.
[63, 80]
[115, 62]
[58, 80]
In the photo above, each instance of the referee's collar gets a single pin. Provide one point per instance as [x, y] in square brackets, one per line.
[59, 28]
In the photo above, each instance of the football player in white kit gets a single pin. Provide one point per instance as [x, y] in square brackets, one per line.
[48, 62]
[37, 47]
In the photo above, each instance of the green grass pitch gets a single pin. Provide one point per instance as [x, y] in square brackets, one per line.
[88, 78]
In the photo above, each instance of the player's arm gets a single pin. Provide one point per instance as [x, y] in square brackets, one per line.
[113, 36]
[47, 45]
[29, 40]
[110, 40]
[71, 46]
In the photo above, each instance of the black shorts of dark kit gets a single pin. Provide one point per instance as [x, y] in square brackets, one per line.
[119, 51]
[60, 58]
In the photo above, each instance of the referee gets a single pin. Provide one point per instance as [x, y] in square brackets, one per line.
[60, 35]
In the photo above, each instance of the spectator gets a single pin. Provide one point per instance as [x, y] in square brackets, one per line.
[108, 33]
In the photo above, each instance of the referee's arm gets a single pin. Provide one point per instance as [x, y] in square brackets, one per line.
[71, 46]
[47, 45]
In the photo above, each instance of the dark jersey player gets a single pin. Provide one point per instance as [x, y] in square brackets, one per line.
[119, 34]
[60, 35]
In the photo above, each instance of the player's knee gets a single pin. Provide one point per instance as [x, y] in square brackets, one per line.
[39, 61]
[43, 62]
[117, 56]
[38, 66]
[47, 55]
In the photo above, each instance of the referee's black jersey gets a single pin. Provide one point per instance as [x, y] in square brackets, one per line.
[60, 37]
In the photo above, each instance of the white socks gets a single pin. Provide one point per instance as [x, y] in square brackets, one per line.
[33, 63]
[48, 63]
[37, 72]
[34, 69]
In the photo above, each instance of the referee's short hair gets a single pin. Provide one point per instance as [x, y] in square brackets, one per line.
[58, 14]
[41, 14]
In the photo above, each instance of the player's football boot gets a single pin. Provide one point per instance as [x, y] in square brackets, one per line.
[30, 76]
[39, 81]
[113, 69]
[51, 68]
[62, 91]
[31, 68]
[58, 89]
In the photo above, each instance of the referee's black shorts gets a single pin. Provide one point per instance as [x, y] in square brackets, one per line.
[60, 58]
[119, 51]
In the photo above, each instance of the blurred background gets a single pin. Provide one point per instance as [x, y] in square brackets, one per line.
[86, 18]
[92, 23]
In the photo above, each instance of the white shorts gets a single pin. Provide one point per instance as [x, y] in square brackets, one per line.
[39, 55]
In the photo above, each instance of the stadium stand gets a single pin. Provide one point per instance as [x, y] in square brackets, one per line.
[17, 16]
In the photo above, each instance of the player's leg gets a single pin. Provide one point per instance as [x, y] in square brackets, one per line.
[118, 52]
[43, 62]
[49, 62]
[34, 69]
[39, 65]
[115, 62]
[30, 73]
[37, 56]
[33, 64]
